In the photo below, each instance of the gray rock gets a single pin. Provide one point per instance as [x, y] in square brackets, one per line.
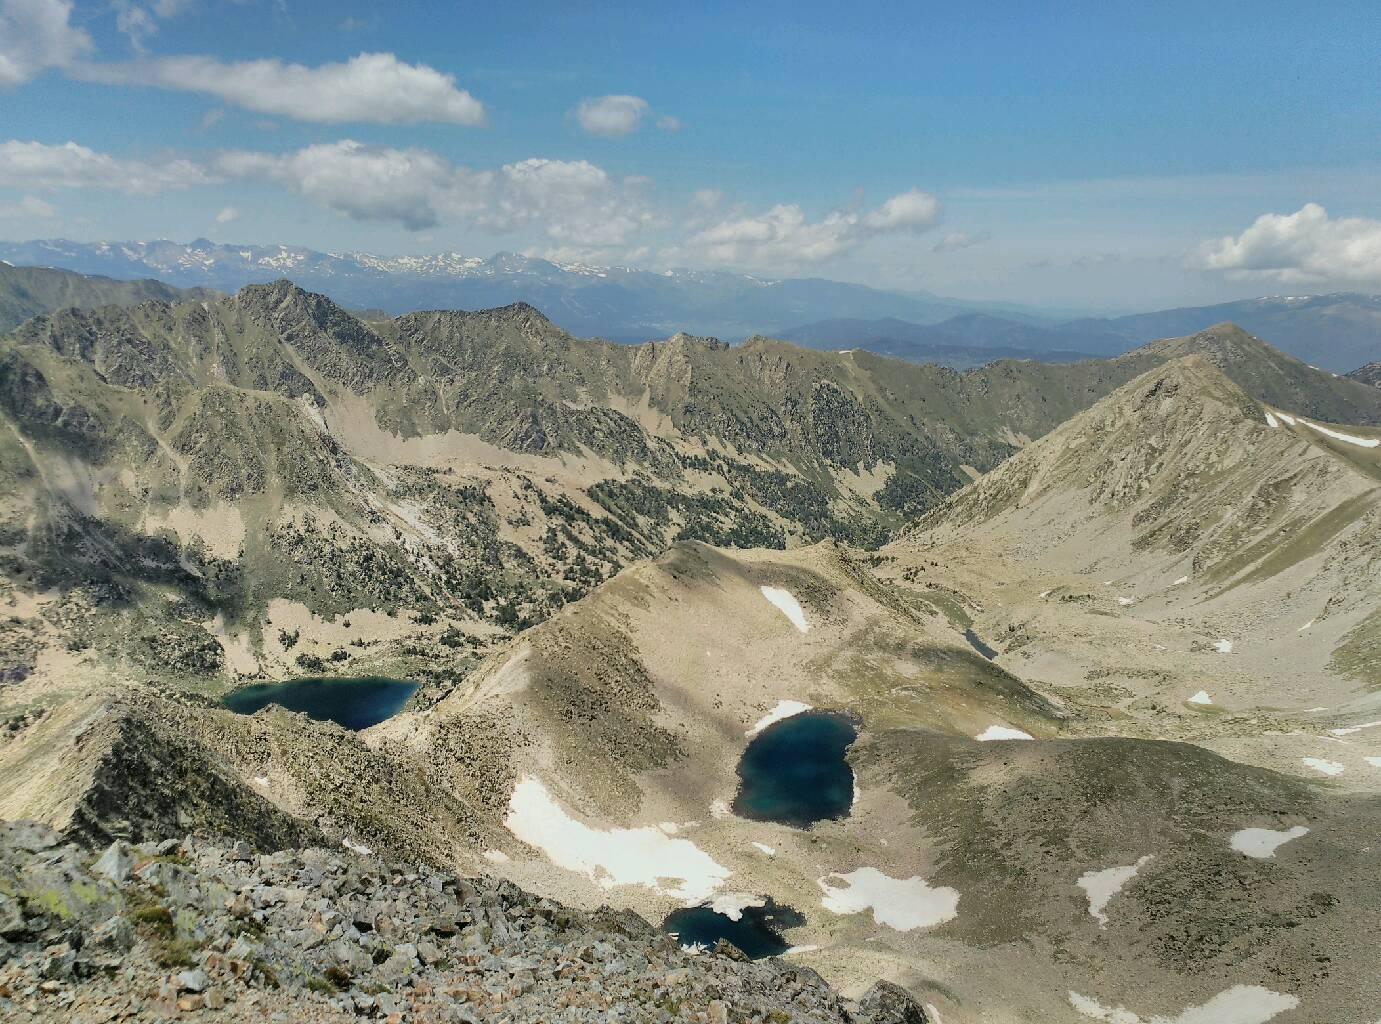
[886, 1003]
[116, 863]
[193, 980]
[12, 922]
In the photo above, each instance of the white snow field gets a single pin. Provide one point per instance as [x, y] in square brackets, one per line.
[786, 603]
[900, 903]
[1262, 843]
[644, 856]
[1002, 732]
[784, 709]
[1323, 765]
[1101, 886]
[1241, 1004]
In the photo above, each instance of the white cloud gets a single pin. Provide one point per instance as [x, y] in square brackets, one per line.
[28, 208]
[372, 87]
[135, 22]
[36, 165]
[1305, 247]
[227, 215]
[611, 116]
[667, 123]
[575, 204]
[783, 236]
[911, 209]
[410, 186]
[36, 35]
[956, 240]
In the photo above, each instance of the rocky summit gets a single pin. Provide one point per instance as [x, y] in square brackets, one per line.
[193, 929]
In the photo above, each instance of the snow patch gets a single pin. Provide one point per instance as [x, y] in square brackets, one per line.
[1262, 843]
[1101, 886]
[669, 827]
[1375, 762]
[1126, 602]
[611, 857]
[1002, 732]
[900, 903]
[733, 904]
[1223, 646]
[784, 709]
[1271, 421]
[1338, 435]
[785, 602]
[354, 847]
[1286, 419]
[1319, 764]
[1201, 697]
[1180, 582]
[496, 857]
[1241, 1004]
[770, 851]
[261, 780]
[1305, 626]
[720, 809]
[1349, 730]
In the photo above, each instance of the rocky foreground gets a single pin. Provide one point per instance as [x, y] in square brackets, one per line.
[195, 929]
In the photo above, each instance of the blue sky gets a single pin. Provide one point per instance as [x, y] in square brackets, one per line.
[1102, 155]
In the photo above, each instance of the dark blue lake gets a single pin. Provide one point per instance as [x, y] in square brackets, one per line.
[794, 772]
[352, 703]
[978, 645]
[756, 932]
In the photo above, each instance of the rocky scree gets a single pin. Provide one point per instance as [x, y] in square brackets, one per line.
[199, 929]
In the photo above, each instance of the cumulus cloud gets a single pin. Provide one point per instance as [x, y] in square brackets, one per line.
[1304, 247]
[613, 117]
[372, 87]
[227, 214]
[956, 240]
[36, 35]
[409, 186]
[36, 165]
[912, 209]
[28, 208]
[784, 236]
[573, 203]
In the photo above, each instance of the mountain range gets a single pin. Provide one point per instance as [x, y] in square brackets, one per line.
[1106, 633]
[1337, 332]
[615, 302]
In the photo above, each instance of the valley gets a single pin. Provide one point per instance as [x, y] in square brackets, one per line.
[1078, 663]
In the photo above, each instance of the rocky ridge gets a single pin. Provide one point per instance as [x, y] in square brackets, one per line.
[192, 927]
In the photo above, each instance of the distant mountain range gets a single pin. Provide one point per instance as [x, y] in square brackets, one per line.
[619, 303]
[1337, 332]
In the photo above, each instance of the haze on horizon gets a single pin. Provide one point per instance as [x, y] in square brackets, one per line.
[1115, 157]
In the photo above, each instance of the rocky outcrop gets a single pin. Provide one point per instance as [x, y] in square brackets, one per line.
[190, 928]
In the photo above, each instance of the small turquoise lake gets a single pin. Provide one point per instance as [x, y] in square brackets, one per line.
[354, 703]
